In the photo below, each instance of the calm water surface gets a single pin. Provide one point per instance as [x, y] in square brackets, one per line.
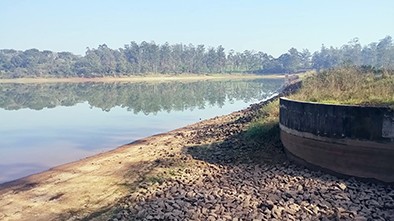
[44, 125]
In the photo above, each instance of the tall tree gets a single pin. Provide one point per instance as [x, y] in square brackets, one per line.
[385, 53]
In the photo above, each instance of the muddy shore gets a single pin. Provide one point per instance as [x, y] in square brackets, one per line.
[211, 170]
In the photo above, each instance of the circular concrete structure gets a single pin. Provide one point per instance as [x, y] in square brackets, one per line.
[350, 140]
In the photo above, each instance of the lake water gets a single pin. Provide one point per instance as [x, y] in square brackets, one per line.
[44, 125]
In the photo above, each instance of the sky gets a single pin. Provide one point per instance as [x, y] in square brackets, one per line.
[260, 25]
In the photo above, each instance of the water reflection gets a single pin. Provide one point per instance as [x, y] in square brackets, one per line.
[45, 125]
[136, 97]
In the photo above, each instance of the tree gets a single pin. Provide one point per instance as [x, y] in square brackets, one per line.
[165, 58]
[369, 55]
[385, 53]
[305, 59]
[132, 54]
[221, 59]
[351, 53]
[326, 58]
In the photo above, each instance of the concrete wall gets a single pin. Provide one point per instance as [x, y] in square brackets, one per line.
[350, 140]
[338, 121]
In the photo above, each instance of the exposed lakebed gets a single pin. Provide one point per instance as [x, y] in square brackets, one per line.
[44, 125]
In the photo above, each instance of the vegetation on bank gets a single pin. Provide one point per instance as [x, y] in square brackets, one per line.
[148, 57]
[354, 86]
[266, 123]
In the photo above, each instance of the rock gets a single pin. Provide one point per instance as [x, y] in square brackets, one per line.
[190, 194]
[173, 189]
[267, 211]
[141, 213]
[373, 203]
[293, 209]
[177, 212]
[133, 210]
[315, 209]
[360, 218]
[308, 210]
[267, 204]
[176, 206]
[160, 204]
[168, 207]
[226, 217]
[211, 218]
[342, 186]
[287, 195]
[119, 216]
[276, 212]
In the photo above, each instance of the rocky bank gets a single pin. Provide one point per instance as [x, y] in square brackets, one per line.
[225, 175]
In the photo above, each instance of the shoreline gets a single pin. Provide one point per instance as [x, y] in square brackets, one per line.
[204, 171]
[95, 182]
[148, 78]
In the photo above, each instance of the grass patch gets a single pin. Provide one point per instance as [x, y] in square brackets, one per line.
[264, 130]
[160, 175]
[265, 126]
[354, 86]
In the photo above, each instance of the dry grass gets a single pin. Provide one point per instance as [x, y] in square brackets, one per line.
[348, 86]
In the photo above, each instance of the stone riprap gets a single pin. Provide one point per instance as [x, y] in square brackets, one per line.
[221, 175]
[260, 192]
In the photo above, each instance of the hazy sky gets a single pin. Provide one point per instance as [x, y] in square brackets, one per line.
[261, 25]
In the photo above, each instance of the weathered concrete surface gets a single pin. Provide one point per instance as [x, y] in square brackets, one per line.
[350, 140]
[338, 121]
[349, 158]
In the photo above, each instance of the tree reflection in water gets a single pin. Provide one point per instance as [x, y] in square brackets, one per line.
[148, 98]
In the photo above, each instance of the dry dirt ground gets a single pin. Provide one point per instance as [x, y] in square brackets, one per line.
[211, 170]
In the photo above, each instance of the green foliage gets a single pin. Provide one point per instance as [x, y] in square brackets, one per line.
[349, 86]
[149, 57]
[267, 124]
[133, 59]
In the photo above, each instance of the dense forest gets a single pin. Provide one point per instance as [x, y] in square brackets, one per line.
[137, 97]
[149, 57]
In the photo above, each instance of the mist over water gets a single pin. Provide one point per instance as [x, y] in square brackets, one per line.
[45, 125]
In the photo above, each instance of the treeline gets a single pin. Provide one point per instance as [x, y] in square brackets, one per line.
[149, 57]
[137, 97]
